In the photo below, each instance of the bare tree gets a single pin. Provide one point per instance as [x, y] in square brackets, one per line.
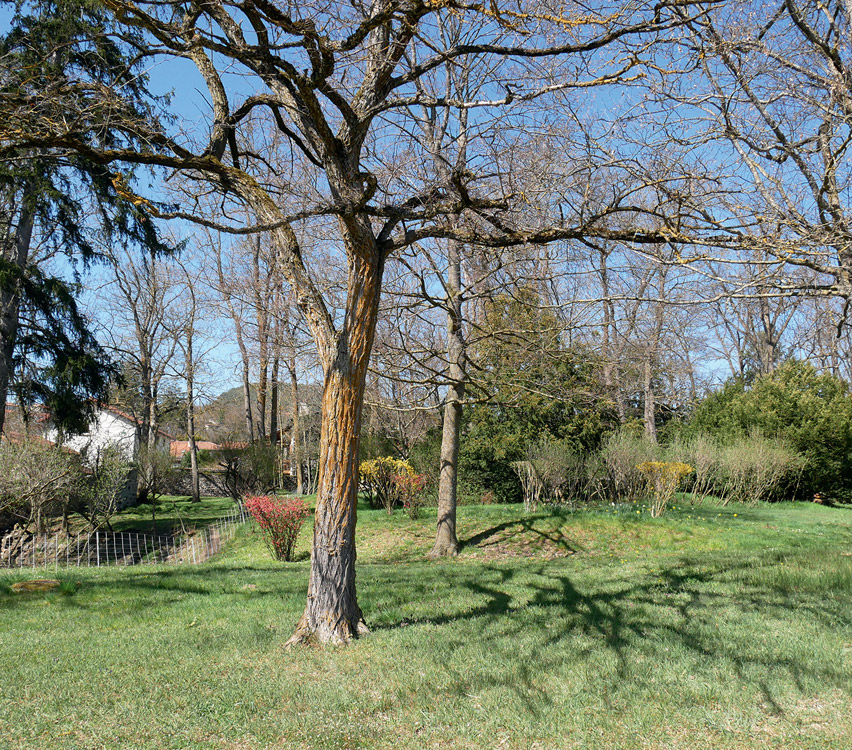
[338, 87]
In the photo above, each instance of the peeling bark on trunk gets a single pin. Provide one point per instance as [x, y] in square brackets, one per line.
[332, 614]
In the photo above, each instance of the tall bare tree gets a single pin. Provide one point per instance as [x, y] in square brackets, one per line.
[339, 86]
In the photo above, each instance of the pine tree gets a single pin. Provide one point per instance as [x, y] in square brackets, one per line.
[47, 352]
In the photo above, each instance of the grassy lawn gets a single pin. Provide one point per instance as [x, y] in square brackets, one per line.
[171, 511]
[707, 628]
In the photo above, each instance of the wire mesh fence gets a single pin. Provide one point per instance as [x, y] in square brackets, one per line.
[103, 548]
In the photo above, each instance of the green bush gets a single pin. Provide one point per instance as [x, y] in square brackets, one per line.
[810, 413]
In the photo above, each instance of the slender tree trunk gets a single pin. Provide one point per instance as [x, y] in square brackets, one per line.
[247, 399]
[153, 422]
[190, 415]
[296, 439]
[446, 541]
[262, 388]
[273, 401]
[332, 614]
[650, 406]
[10, 299]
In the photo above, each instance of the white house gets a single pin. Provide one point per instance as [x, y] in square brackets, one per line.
[109, 426]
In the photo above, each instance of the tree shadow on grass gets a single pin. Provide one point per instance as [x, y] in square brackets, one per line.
[518, 528]
[711, 613]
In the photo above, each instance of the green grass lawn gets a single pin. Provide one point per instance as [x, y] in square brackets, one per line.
[708, 628]
[171, 512]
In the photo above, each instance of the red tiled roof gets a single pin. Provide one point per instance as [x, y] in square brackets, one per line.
[179, 447]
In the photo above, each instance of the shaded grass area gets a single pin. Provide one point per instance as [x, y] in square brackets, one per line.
[694, 630]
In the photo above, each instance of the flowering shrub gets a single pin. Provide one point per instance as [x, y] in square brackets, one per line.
[377, 479]
[280, 520]
[409, 490]
[662, 479]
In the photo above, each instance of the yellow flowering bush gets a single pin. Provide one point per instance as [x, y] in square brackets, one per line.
[661, 479]
[379, 483]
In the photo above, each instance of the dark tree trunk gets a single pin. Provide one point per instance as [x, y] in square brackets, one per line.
[17, 253]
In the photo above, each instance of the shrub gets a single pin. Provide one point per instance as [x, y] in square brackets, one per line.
[810, 412]
[377, 479]
[410, 488]
[555, 472]
[662, 479]
[251, 470]
[280, 520]
[745, 469]
[37, 481]
[622, 453]
[99, 496]
[756, 468]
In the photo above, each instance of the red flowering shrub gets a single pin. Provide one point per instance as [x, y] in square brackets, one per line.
[409, 489]
[280, 520]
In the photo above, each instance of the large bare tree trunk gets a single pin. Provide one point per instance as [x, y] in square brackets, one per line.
[446, 541]
[332, 614]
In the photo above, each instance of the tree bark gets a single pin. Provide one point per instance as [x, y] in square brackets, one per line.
[261, 307]
[296, 439]
[650, 406]
[332, 614]
[446, 541]
[190, 407]
[273, 401]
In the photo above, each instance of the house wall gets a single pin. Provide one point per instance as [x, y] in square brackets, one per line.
[104, 430]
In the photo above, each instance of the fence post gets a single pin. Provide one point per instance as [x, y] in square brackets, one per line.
[98, 548]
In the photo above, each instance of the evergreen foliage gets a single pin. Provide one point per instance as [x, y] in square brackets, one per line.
[59, 56]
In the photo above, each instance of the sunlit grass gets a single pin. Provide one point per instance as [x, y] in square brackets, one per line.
[709, 627]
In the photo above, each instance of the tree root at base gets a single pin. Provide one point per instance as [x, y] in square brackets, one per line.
[305, 635]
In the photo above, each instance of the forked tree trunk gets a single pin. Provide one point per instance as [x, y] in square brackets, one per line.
[332, 614]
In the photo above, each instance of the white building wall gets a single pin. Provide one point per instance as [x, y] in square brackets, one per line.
[104, 430]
